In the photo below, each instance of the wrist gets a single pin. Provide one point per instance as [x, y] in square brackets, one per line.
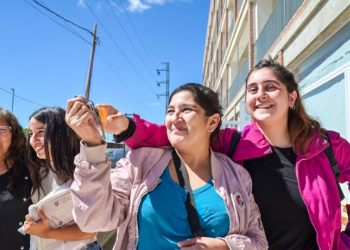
[127, 133]
[49, 234]
[92, 143]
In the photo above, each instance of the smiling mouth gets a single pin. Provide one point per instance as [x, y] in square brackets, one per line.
[263, 106]
[38, 148]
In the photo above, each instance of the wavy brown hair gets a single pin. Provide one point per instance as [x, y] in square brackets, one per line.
[17, 148]
[63, 143]
[301, 126]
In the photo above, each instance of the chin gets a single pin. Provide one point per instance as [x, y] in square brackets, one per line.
[41, 157]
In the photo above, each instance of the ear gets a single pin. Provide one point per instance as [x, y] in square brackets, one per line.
[292, 98]
[213, 122]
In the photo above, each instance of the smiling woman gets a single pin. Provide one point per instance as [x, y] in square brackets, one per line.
[52, 146]
[145, 197]
[286, 153]
[15, 183]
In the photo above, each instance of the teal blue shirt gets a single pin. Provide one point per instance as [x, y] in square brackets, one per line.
[162, 215]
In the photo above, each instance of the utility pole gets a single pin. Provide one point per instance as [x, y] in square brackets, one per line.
[13, 98]
[166, 82]
[92, 55]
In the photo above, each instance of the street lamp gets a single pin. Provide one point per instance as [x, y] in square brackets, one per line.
[13, 97]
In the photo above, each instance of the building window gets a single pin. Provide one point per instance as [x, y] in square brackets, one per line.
[332, 55]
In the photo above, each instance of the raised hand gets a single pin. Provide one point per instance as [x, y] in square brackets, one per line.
[81, 120]
[116, 121]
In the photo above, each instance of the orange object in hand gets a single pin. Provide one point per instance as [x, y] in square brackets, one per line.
[103, 116]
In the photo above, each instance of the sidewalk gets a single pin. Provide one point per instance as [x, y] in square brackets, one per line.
[107, 239]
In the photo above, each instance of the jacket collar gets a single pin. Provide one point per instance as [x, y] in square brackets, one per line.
[163, 157]
[215, 165]
[253, 144]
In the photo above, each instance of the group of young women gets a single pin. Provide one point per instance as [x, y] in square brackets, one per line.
[282, 149]
[30, 168]
[277, 191]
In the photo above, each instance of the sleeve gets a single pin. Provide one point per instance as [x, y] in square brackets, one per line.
[148, 134]
[341, 148]
[100, 201]
[221, 143]
[254, 238]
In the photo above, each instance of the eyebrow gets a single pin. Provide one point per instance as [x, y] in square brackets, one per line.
[266, 81]
[37, 128]
[184, 105]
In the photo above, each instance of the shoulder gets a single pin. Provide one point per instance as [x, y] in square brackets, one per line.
[146, 156]
[229, 167]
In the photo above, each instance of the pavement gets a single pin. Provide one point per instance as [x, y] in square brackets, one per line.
[107, 239]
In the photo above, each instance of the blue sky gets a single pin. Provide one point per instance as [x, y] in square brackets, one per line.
[47, 65]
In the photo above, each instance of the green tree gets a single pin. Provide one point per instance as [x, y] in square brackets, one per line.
[26, 131]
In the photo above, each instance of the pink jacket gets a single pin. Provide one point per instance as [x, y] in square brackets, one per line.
[103, 202]
[316, 181]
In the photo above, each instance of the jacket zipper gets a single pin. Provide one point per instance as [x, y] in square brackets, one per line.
[136, 212]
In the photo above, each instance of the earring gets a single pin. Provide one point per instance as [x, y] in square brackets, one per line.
[293, 107]
[209, 131]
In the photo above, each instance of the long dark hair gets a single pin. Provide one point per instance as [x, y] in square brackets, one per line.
[59, 140]
[206, 98]
[300, 124]
[17, 148]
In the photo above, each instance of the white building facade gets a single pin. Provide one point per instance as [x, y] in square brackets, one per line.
[310, 37]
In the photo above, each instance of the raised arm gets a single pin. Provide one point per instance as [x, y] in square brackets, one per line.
[98, 205]
[142, 133]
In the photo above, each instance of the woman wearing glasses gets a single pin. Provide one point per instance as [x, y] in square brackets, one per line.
[15, 183]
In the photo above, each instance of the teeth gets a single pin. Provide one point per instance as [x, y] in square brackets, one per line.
[264, 106]
[38, 148]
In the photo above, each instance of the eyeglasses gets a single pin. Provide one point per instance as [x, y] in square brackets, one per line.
[4, 130]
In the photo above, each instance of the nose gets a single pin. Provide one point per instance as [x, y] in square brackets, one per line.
[35, 137]
[177, 117]
[261, 93]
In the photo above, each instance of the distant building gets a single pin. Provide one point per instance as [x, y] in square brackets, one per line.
[310, 37]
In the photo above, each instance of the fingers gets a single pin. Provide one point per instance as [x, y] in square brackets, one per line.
[71, 102]
[42, 214]
[189, 242]
[78, 113]
[28, 218]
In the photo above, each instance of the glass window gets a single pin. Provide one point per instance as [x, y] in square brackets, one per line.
[332, 55]
[327, 104]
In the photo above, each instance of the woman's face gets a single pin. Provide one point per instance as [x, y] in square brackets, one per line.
[267, 99]
[37, 134]
[186, 123]
[5, 140]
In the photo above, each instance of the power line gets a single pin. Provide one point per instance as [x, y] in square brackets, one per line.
[130, 40]
[22, 98]
[64, 19]
[119, 48]
[124, 83]
[65, 23]
[56, 22]
[137, 33]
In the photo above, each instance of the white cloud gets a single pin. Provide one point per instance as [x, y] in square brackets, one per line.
[81, 3]
[116, 7]
[133, 5]
[154, 104]
[137, 6]
[160, 2]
